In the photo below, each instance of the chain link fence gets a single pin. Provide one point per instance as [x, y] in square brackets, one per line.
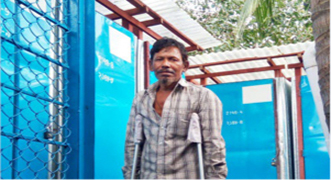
[33, 89]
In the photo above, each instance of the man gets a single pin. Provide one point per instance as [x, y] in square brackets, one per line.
[166, 108]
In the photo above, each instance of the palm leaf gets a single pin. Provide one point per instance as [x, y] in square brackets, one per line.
[248, 9]
[262, 10]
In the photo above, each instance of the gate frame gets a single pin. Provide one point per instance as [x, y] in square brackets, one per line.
[81, 59]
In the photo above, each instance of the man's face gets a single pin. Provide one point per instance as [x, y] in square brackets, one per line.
[168, 65]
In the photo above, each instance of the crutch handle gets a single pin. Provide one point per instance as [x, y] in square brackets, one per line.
[194, 135]
[134, 165]
[138, 138]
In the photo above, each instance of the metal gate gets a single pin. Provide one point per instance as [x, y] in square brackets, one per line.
[33, 89]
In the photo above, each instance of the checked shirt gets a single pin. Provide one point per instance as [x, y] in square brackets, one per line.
[166, 153]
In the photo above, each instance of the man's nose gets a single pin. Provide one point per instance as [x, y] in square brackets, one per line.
[165, 63]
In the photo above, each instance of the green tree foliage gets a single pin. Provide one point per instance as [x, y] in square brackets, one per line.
[241, 24]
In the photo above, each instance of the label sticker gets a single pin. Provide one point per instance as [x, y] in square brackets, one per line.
[120, 44]
[257, 94]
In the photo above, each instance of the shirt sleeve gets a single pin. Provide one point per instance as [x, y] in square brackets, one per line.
[130, 146]
[212, 141]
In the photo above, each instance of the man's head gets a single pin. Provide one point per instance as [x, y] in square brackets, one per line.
[168, 60]
[168, 42]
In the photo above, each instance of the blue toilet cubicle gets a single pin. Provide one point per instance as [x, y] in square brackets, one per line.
[248, 128]
[115, 89]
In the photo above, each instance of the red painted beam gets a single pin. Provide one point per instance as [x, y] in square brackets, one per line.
[206, 71]
[298, 65]
[129, 18]
[166, 24]
[241, 71]
[153, 22]
[131, 12]
[191, 48]
[271, 62]
[244, 60]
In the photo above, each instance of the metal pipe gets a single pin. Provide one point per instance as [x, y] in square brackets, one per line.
[283, 133]
[138, 139]
[56, 92]
[201, 169]
[135, 157]
[296, 163]
[16, 94]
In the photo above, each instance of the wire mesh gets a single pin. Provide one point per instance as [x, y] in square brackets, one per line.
[33, 89]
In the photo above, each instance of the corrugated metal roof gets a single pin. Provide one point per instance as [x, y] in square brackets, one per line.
[248, 53]
[170, 11]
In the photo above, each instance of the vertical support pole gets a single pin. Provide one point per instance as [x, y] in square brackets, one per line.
[138, 32]
[146, 64]
[300, 126]
[87, 86]
[56, 118]
[81, 89]
[203, 81]
[276, 158]
[277, 73]
[16, 94]
[126, 24]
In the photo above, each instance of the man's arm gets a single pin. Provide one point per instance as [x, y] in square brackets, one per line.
[212, 141]
[129, 144]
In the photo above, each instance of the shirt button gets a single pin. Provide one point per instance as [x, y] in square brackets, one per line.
[162, 127]
[160, 143]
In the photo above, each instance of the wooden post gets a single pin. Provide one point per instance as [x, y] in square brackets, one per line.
[300, 126]
[203, 81]
[138, 32]
[146, 64]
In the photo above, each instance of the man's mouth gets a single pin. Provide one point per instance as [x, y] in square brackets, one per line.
[165, 73]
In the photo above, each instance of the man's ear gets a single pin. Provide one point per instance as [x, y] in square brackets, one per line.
[186, 65]
[151, 65]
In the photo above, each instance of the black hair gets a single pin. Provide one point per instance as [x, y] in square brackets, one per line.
[168, 42]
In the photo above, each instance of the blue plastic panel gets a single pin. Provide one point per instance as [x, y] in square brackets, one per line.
[317, 159]
[152, 77]
[115, 86]
[248, 130]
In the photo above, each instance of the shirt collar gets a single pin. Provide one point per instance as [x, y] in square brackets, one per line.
[183, 82]
[152, 89]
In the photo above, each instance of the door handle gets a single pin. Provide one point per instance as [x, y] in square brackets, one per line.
[274, 162]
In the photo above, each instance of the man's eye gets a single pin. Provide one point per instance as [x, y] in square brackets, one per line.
[173, 59]
[158, 59]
